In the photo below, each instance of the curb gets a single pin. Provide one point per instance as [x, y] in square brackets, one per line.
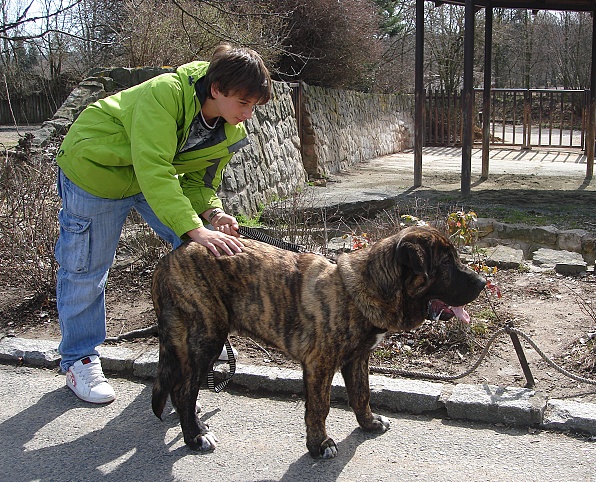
[481, 403]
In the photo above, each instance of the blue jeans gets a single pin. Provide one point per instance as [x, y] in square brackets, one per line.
[90, 228]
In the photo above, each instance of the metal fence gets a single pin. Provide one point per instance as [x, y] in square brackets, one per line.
[518, 117]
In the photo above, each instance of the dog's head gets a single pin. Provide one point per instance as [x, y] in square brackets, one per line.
[422, 265]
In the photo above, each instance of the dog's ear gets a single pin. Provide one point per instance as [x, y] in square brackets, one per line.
[415, 256]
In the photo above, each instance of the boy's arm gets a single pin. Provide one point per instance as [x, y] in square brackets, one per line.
[201, 188]
[154, 142]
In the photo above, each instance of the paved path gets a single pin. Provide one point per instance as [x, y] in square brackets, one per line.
[394, 173]
[48, 435]
[9, 135]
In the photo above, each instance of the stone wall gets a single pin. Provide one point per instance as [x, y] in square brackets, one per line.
[271, 166]
[341, 128]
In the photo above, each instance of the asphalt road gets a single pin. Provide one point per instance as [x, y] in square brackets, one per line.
[47, 434]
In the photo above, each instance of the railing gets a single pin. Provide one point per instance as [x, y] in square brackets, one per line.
[518, 117]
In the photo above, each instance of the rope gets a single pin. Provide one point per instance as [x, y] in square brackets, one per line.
[500, 331]
[437, 376]
[551, 363]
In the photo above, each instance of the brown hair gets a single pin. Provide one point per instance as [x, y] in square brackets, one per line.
[238, 70]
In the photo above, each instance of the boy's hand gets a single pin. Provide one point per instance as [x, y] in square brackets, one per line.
[229, 244]
[225, 223]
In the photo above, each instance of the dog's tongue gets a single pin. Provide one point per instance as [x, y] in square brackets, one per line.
[462, 314]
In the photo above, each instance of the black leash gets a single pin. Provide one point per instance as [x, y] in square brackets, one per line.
[258, 235]
[211, 374]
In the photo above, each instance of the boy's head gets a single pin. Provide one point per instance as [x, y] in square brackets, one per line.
[240, 71]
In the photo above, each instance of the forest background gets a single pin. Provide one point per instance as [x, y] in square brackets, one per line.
[368, 45]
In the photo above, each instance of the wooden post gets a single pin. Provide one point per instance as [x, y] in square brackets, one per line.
[468, 101]
[486, 114]
[419, 94]
[591, 107]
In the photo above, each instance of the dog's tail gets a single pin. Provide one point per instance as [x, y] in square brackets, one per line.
[164, 381]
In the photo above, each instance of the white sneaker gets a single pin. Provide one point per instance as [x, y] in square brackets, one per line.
[85, 377]
[223, 356]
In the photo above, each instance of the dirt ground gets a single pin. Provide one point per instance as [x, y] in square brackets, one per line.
[556, 311]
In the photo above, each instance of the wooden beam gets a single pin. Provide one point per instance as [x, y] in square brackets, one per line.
[591, 108]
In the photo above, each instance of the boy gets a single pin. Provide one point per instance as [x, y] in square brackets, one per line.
[159, 147]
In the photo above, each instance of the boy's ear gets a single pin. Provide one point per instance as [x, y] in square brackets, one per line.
[214, 90]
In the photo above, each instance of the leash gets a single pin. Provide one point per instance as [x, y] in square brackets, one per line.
[258, 235]
[514, 333]
[507, 329]
[211, 374]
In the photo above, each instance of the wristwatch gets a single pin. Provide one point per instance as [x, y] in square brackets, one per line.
[214, 213]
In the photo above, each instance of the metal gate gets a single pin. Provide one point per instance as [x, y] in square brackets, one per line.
[519, 117]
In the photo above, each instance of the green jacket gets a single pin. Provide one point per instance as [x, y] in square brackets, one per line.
[129, 143]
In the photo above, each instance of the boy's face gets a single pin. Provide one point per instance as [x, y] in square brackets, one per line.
[234, 107]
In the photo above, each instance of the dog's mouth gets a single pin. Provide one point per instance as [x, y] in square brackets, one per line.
[437, 310]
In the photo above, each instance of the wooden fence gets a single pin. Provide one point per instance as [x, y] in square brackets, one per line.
[33, 109]
[518, 117]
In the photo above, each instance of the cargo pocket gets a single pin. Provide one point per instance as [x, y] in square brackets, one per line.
[72, 248]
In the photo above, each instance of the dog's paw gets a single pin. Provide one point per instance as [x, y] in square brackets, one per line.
[378, 424]
[328, 449]
[383, 422]
[205, 442]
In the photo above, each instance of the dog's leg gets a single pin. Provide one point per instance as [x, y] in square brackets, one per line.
[355, 375]
[317, 387]
[197, 434]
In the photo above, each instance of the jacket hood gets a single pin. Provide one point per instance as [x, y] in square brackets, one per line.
[193, 71]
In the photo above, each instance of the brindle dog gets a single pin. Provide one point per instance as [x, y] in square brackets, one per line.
[326, 316]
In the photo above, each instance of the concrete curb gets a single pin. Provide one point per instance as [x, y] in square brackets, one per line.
[482, 403]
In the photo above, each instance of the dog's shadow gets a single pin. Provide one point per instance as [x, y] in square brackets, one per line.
[328, 470]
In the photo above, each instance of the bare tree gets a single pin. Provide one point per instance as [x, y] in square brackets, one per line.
[171, 32]
[395, 70]
[570, 48]
[444, 44]
[333, 43]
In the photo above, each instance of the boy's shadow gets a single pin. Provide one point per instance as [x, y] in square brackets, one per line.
[124, 449]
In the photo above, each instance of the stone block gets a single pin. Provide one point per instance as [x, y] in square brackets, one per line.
[570, 415]
[493, 404]
[504, 257]
[43, 353]
[405, 395]
[145, 366]
[571, 239]
[271, 379]
[564, 262]
[116, 358]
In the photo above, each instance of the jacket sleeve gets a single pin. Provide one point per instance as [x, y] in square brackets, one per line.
[153, 133]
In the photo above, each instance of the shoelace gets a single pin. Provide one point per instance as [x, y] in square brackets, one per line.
[92, 375]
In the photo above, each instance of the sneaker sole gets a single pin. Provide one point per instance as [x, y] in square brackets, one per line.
[89, 400]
